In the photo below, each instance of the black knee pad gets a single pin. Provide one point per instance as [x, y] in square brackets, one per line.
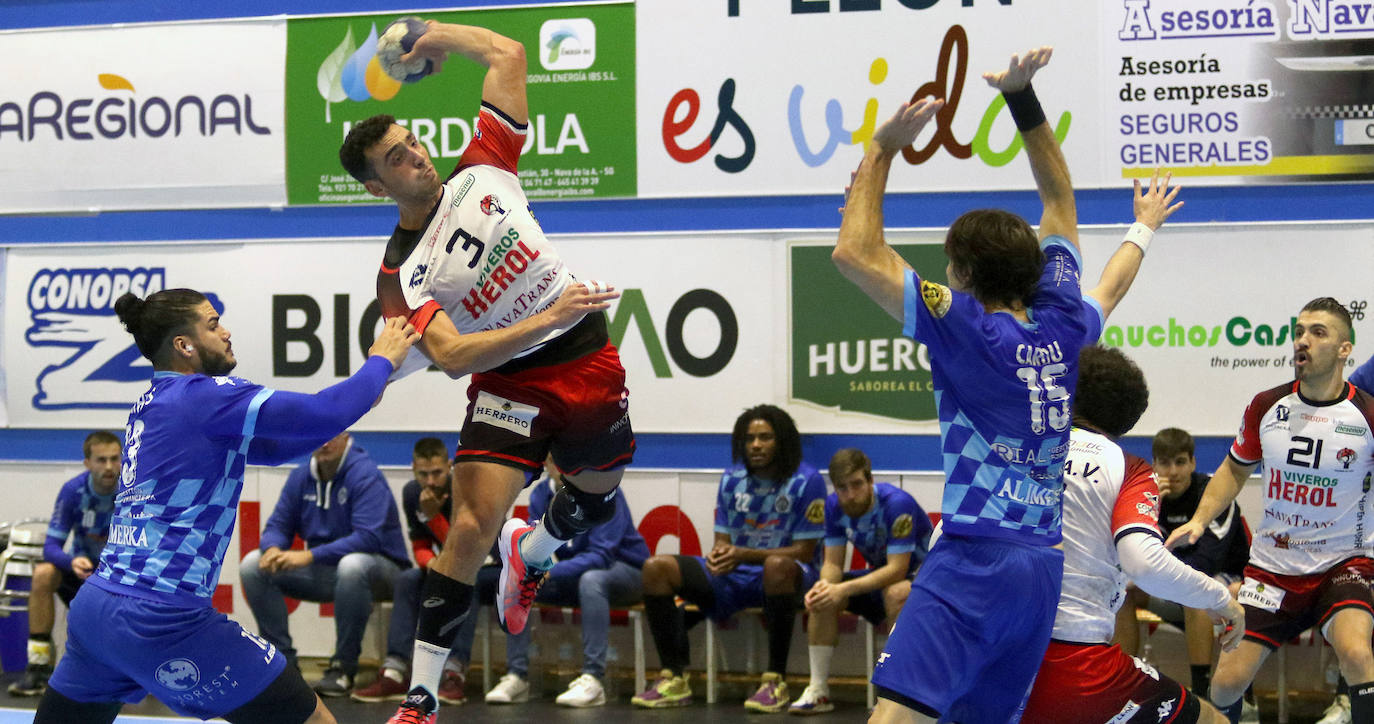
[287, 700]
[573, 511]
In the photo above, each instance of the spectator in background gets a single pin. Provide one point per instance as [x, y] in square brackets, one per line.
[427, 505]
[594, 571]
[892, 533]
[1221, 554]
[770, 511]
[81, 514]
[342, 507]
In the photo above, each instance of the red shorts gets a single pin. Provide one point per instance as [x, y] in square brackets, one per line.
[1096, 683]
[1278, 608]
[577, 410]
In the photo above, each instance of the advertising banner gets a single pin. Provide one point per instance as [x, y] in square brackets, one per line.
[742, 98]
[581, 87]
[1210, 328]
[783, 97]
[696, 335]
[1225, 90]
[143, 117]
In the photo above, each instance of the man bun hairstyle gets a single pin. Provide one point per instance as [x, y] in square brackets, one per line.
[156, 320]
[1112, 394]
[352, 154]
[998, 253]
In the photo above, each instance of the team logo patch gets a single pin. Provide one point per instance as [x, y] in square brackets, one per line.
[1258, 595]
[418, 275]
[815, 513]
[342, 496]
[177, 674]
[937, 298]
[503, 413]
[901, 527]
[491, 206]
[1346, 456]
[1281, 412]
[782, 504]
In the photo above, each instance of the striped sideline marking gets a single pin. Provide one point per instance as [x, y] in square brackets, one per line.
[25, 716]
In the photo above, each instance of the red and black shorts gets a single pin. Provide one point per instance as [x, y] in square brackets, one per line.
[1095, 683]
[1278, 608]
[578, 410]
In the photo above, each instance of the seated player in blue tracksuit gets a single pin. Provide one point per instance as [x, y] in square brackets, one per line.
[81, 514]
[341, 506]
[770, 513]
[891, 532]
[144, 623]
[594, 571]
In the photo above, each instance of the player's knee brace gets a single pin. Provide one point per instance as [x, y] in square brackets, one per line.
[574, 511]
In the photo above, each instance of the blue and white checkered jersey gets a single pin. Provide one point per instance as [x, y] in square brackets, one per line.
[1003, 391]
[185, 448]
[894, 524]
[759, 513]
[81, 515]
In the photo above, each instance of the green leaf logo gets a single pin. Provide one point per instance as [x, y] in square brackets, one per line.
[329, 79]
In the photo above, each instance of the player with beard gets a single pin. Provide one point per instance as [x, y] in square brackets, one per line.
[145, 623]
[892, 533]
[1309, 558]
[471, 268]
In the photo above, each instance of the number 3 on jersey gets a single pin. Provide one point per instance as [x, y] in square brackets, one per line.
[1049, 402]
[468, 240]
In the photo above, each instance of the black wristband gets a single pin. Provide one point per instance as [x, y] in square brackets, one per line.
[1025, 108]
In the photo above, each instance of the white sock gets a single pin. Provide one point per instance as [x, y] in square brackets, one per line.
[538, 547]
[396, 665]
[454, 665]
[427, 667]
[820, 667]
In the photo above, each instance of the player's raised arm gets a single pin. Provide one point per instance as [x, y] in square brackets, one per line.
[1047, 162]
[504, 59]
[1152, 206]
[861, 253]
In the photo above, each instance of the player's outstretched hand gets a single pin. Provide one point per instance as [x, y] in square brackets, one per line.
[1185, 535]
[901, 129]
[1152, 207]
[429, 46]
[395, 341]
[581, 299]
[1019, 72]
[1232, 620]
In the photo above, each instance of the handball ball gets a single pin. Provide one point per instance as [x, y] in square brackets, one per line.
[397, 40]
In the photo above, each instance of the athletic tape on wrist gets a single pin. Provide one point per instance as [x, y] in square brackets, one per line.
[1140, 235]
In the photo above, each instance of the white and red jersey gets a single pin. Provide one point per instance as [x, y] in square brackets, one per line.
[1107, 494]
[1318, 458]
[481, 257]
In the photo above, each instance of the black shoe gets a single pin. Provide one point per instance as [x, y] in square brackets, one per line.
[335, 682]
[33, 682]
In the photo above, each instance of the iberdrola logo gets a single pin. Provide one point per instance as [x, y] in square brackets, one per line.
[352, 72]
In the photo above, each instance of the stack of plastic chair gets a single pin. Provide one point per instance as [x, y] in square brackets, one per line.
[23, 549]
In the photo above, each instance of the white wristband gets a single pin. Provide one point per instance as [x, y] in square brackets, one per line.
[1140, 235]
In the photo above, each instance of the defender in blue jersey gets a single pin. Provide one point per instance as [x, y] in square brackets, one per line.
[81, 514]
[770, 512]
[145, 624]
[891, 532]
[1003, 339]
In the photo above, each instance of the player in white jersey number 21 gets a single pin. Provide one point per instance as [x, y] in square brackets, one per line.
[1309, 560]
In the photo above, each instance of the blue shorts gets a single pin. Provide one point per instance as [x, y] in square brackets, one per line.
[195, 660]
[743, 588]
[970, 638]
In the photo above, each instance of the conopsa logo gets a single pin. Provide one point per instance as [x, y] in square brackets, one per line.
[116, 116]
